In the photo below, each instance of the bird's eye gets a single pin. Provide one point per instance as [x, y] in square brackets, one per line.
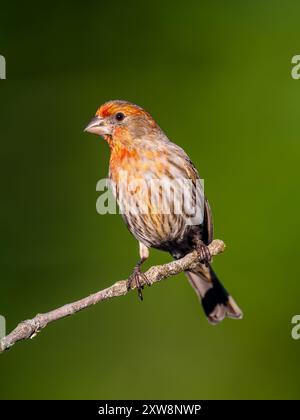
[120, 116]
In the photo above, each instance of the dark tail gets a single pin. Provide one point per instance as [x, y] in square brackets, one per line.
[216, 301]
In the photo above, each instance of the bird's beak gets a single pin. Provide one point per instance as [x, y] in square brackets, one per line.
[98, 126]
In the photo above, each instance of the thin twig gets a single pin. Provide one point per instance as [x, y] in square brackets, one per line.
[31, 327]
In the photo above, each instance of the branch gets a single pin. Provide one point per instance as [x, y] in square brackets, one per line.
[31, 327]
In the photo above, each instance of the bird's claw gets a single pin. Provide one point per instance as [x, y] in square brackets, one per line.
[136, 278]
[204, 254]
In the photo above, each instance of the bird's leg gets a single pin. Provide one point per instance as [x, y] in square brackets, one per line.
[202, 251]
[137, 275]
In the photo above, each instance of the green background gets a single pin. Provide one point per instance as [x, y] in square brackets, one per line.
[216, 75]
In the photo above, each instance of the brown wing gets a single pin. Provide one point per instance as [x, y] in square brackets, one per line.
[207, 229]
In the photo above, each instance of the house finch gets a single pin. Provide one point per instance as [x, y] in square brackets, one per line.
[142, 156]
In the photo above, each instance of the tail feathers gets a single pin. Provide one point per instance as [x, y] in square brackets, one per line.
[216, 301]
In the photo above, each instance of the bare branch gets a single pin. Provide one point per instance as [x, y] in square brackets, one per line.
[31, 327]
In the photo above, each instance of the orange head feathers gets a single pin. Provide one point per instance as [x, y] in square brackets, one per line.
[113, 107]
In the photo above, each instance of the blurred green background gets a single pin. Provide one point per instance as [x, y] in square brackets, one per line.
[216, 75]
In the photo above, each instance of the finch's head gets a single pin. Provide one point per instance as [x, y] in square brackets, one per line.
[121, 119]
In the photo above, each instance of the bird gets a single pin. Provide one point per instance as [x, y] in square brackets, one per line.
[142, 156]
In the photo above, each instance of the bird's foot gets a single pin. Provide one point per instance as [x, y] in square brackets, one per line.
[204, 254]
[138, 278]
